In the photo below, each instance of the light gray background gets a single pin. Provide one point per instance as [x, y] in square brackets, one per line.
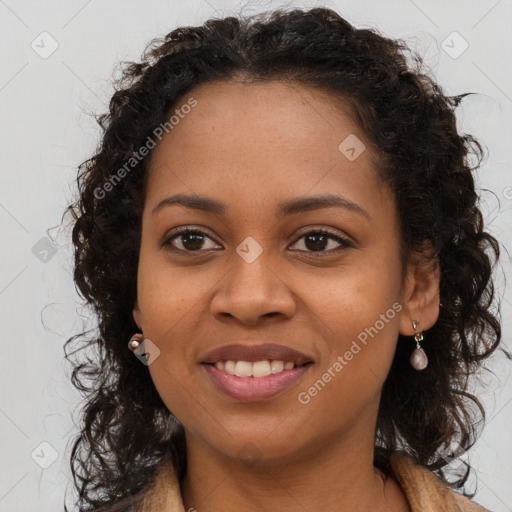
[46, 132]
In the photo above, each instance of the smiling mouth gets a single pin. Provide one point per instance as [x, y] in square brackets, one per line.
[243, 386]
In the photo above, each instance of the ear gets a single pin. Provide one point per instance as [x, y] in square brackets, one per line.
[137, 316]
[420, 296]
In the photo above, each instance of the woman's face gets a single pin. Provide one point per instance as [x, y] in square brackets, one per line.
[257, 273]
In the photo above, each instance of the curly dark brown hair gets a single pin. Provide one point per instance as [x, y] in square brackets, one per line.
[127, 430]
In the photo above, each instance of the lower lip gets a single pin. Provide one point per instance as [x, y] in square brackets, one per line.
[253, 389]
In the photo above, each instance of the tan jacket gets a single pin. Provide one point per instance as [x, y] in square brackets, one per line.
[424, 491]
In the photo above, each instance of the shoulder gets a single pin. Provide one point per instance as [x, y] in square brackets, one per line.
[425, 491]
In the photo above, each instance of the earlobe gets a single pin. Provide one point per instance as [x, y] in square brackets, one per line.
[137, 317]
[420, 295]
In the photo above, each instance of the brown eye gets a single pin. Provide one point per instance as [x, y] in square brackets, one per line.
[191, 240]
[317, 241]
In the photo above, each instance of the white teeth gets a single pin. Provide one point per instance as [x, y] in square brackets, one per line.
[229, 367]
[243, 369]
[260, 369]
[256, 369]
[276, 366]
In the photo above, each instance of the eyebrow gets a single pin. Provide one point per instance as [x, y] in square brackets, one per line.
[290, 207]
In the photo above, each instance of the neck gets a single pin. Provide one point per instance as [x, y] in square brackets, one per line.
[336, 476]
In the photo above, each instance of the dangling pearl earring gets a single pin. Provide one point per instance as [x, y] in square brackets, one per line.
[419, 360]
[135, 341]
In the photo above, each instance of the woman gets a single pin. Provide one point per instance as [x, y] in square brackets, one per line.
[281, 224]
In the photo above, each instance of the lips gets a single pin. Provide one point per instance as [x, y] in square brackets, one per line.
[250, 389]
[253, 353]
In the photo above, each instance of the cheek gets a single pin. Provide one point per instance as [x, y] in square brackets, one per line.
[168, 302]
[172, 302]
[357, 312]
[362, 315]
[166, 294]
[361, 330]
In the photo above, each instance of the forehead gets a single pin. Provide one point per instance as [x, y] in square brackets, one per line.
[284, 115]
[257, 141]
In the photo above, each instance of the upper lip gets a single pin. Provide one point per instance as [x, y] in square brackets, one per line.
[252, 353]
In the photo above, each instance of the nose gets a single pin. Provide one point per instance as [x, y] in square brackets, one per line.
[250, 292]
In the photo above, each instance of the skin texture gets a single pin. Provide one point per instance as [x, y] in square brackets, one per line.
[252, 146]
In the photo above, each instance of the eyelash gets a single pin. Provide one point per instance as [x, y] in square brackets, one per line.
[320, 231]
